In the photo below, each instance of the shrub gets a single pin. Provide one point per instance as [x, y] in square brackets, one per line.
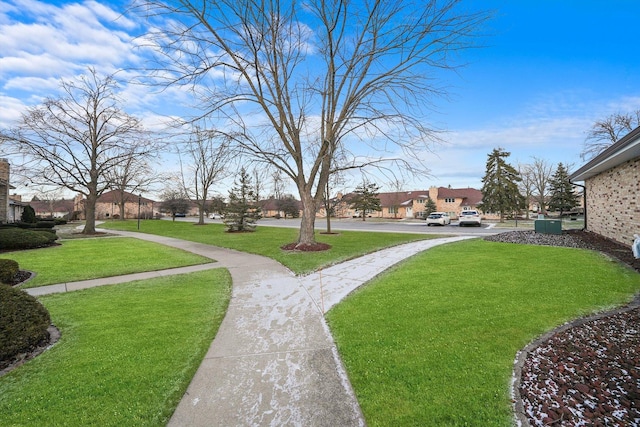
[23, 323]
[8, 270]
[45, 224]
[18, 238]
[28, 215]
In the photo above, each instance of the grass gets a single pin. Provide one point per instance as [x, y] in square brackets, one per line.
[83, 259]
[126, 355]
[268, 240]
[432, 342]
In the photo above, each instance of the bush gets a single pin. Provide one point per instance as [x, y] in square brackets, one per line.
[23, 323]
[28, 215]
[8, 270]
[18, 238]
[45, 224]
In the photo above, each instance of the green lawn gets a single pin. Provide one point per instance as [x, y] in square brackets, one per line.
[126, 355]
[432, 342]
[83, 259]
[268, 240]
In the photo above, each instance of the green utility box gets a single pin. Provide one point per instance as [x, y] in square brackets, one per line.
[548, 226]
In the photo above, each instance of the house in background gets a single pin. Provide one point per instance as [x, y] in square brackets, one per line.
[16, 208]
[61, 208]
[108, 205]
[411, 204]
[455, 200]
[612, 185]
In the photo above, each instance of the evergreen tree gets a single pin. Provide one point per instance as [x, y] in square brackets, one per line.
[366, 199]
[242, 211]
[28, 215]
[429, 207]
[500, 191]
[563, 198]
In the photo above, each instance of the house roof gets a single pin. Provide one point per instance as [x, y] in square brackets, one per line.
[401, 198]
[627, 148]
[45, 206]
[470, 196]
[271, 204]
[114, 197]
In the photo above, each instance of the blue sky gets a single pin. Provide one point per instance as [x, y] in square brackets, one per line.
[547, 70]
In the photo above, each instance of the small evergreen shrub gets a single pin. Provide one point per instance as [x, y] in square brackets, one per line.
[23, 323]
[28, 215]
[8, 270]
[18, 238]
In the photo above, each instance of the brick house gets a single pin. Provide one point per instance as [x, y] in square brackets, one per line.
[612, 185]
[411, 204]
[455, 200]
[108, 205]
[62, 208]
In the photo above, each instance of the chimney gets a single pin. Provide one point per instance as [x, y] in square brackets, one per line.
[4, 190]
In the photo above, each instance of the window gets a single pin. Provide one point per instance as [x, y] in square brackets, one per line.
[449, 200]
[421, 201]
[393, 210]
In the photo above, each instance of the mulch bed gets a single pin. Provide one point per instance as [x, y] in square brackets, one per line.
[586, 373]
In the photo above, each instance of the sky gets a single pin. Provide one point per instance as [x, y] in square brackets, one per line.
[543, 73]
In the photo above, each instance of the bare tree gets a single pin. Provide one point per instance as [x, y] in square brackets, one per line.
[605, 132]
[537, 176]
[76, 140]
[174, 201]
[309, 81]
[50, 196]
[527, 186]
[209, 153]
[132, 176]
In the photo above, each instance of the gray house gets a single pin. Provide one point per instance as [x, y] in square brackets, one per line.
[612, 190]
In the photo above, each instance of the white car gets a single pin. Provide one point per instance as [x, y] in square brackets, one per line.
[438, 218]
[216, 216]
[470, 217]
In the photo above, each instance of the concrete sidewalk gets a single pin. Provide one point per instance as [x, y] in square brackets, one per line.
[273, 361]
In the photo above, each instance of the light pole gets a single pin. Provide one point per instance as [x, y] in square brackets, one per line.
[139, 197]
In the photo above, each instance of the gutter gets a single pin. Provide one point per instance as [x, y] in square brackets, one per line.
[584, 202]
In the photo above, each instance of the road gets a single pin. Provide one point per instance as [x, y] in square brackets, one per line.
[390, 226]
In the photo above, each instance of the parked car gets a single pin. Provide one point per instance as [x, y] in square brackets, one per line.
[216, 216]
[470, 217]
[438, 218]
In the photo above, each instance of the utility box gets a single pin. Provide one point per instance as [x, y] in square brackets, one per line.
[548, 226]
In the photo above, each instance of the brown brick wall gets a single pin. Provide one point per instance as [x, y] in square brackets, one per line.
[613, 204]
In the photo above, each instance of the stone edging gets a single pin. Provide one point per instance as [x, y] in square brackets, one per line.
[21, 359]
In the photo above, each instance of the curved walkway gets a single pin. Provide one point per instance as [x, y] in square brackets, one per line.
[273, 361]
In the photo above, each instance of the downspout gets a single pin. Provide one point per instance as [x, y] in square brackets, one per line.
[584, 202]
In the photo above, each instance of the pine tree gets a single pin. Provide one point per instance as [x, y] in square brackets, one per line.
[500, 192]
[366, 199]
[563, 198]
[429, 207]
[242, 211]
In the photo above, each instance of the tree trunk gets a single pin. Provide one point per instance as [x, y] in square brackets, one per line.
[90, 214]
[307, 224]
